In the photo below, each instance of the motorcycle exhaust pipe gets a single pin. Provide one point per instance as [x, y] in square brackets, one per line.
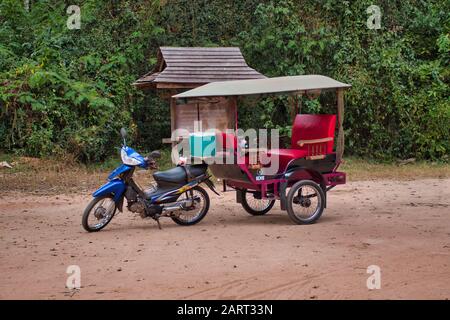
[178, 205]
[172, 207]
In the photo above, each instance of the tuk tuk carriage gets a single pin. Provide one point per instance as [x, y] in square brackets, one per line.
[305, 172]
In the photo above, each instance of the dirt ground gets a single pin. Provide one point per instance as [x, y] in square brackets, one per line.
[402, 227]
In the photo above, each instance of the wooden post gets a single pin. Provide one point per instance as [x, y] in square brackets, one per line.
[198, 111]
[232, 109]
[293, 107]
[172, 114]
[340, 138]
[296, 105]
[173, 124]
[299, 96]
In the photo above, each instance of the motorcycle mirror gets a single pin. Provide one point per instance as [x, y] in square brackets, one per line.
[123, 133]
[155, 154]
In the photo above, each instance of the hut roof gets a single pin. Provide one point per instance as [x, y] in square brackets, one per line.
[191, 67]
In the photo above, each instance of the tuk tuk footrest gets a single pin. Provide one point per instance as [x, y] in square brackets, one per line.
[335, 178]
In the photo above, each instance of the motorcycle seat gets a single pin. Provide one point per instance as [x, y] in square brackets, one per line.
[178, 174]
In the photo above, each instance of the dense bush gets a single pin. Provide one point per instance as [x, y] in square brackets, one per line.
[67, 92]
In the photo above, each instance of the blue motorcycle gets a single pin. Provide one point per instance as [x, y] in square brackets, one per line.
[177, 193]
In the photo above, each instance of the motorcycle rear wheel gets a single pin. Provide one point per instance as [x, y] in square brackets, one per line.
[185, 219]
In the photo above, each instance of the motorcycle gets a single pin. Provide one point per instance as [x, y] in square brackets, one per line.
[177, 193]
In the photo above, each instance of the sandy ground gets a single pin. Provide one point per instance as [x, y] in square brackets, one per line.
[402, 227]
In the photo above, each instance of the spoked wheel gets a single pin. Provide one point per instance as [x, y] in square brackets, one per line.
[197, 209]
[305, 202]
[254, 206]
[99, 213]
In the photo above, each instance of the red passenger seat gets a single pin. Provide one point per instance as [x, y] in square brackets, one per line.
[312, 136]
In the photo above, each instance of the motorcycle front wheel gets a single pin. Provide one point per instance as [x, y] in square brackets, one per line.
[197, 211]
[99, 213]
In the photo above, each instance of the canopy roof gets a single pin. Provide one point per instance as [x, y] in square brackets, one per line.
[263, 86]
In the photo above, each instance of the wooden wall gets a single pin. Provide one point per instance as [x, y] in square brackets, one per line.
[219, 113]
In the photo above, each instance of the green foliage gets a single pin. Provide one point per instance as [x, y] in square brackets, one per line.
[69, 91]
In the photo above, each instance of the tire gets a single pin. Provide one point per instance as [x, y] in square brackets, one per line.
[254, 211]
[293, 202]
[88, 212]
[198, 217]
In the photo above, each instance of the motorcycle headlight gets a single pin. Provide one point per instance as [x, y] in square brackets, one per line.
[128, 160]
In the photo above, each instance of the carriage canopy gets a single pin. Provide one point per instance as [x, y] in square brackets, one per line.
[264, 86]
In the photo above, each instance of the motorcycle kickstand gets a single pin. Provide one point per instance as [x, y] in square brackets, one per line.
[157, 221]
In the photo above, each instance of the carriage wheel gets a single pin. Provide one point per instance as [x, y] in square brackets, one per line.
[256, 207]
[305, 202]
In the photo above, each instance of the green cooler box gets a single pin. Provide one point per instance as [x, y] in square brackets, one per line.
[202, 145]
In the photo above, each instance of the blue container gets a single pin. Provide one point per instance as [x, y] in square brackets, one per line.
[202, 145]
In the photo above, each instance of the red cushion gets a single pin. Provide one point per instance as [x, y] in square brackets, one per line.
[285, 156]
[313, 126]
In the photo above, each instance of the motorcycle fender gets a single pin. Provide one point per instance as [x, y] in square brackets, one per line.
[210, 185]
[115, 187]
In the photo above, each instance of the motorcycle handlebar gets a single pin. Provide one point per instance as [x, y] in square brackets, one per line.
[151, 159]
[154, 154]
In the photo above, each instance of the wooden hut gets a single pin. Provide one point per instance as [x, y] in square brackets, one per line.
[179, 69]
